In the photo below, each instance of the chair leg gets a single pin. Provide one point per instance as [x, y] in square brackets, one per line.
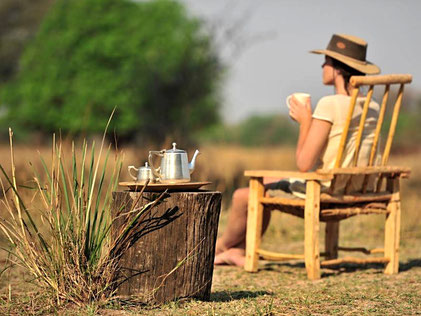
[331, 240]
[392, 228]
[254, 224]
[311, 230]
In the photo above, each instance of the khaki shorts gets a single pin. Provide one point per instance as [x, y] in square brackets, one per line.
[286, 189]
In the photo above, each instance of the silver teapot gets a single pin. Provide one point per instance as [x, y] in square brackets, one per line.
[174, 167]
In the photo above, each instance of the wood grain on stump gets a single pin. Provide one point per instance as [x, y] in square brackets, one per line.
[176, 260]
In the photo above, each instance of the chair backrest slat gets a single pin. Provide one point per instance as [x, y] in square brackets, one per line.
[379, 125]
[392, 128]
[380, 120]
[372, 81]
[344, 136]
[361, 126]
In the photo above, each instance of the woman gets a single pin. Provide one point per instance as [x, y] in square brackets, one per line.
[318, 140]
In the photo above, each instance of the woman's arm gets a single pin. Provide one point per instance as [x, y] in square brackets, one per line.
[312, 137]
[312, 146]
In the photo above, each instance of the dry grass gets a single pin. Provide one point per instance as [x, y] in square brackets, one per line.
[61, 236]
[278, 289]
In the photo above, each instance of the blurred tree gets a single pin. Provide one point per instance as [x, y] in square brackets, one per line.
[150, 59]
[257, 130]
[408, 129]
[267, 130]
[19, 20]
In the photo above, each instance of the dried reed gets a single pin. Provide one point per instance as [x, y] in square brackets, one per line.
[70, 251]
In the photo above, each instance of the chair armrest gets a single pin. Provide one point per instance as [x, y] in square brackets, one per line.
[288, 174]
[383, 170]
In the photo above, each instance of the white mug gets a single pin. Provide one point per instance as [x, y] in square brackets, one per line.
[300, 96]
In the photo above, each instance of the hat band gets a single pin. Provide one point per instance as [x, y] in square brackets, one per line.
[347, 48]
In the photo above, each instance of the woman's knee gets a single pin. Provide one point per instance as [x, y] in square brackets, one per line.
[241, 194]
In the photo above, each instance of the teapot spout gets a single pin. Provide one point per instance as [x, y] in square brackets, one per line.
[193, 161]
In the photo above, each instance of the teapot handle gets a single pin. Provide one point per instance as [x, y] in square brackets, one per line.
[155, 171]
[130, 173]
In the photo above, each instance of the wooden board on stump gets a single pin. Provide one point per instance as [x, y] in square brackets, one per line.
[176, 260]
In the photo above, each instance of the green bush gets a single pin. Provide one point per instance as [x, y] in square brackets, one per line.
[258, 130]
[408, 129]
[150, 59]
[19, 21]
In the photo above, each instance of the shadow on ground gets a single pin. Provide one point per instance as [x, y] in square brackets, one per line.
[227, 296]
[278, 266]
[411, 263]
[343, 268]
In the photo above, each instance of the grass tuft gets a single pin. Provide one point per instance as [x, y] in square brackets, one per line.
[69, 251]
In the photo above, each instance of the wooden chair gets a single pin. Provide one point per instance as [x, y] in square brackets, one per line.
[332, 207]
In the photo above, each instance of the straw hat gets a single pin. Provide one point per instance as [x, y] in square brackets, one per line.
[351, 51]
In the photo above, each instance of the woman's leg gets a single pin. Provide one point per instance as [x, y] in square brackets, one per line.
[230, 247]
[235, 231]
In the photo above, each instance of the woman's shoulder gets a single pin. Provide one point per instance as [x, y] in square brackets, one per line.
[326, 108]
[334, 97]
[331, 99]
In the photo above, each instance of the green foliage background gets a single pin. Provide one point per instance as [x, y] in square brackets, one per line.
[19, 22]
[150, 59]
[257, 130]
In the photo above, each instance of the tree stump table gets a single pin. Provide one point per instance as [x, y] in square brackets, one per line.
[176, 260]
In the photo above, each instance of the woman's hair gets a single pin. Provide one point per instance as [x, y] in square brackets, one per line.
[346, 71]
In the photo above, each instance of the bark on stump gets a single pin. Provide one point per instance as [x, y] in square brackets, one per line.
[176, 260]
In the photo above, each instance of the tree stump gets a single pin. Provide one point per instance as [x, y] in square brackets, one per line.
[176, 260]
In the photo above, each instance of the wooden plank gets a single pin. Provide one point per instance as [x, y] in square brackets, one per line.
[362, 249]
[287, 174]
[311, 230]
[365, 170]
[328, 174]
[331, 239]
[254, 223]
[380, 79]
[354, 198]
[333, 184]
[344, 135]
[275, 256]
[161, 187]
[282, 201]
[392, 228]
[348, 185]
[365, 184]
[353, 211]
[379, 185]
[335, 262]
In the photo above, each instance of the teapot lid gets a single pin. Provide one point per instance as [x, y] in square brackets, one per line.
[146, 166]
[175, 150]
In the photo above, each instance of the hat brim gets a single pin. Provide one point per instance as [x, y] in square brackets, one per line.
[364, 67]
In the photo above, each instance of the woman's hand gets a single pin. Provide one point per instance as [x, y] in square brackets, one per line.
[300, 112]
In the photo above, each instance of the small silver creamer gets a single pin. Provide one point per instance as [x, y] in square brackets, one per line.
[174, 167]
[143, 173]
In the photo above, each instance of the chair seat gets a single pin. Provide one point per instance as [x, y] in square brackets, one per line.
[332, 208]
[328, 199]
[331, 213]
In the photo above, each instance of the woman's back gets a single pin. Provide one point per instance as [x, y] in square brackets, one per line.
[334, 109]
